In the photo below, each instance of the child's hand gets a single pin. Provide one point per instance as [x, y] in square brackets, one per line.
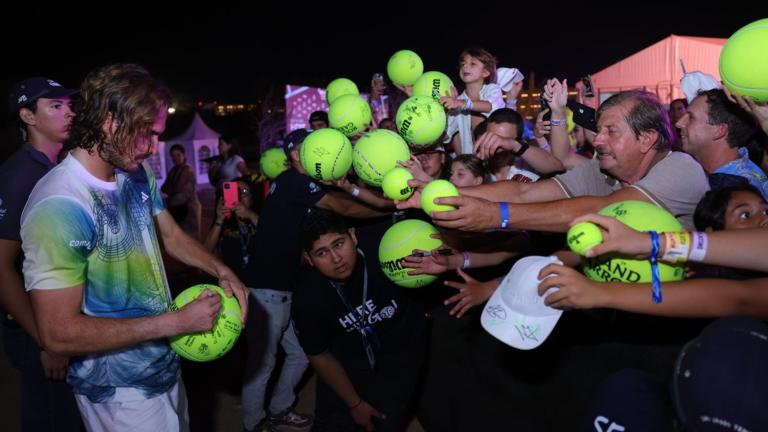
[451, 102]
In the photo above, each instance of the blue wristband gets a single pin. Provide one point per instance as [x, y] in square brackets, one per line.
[654, 258]
[504, 207]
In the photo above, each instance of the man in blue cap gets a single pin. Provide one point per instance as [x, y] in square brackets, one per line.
[42, 109]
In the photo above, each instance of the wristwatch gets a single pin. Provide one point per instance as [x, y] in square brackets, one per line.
[522, 149]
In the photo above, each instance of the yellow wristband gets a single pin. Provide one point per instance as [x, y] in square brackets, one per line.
[678, 245]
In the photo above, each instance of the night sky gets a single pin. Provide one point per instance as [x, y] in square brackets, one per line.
[242, 54]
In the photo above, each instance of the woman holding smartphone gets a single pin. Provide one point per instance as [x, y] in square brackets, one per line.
[234, 227]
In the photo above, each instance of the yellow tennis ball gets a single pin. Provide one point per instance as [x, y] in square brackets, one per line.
[433, 84]
[395, 184]
[744, 61]
[340, 87]
[437, 189]
[210, 345]
[398, 242]
[326, 154]
[404, 67]
[376, 153]
[350, 114]
[641, 216]
[420, 120]
[273, 162]
[584, 236]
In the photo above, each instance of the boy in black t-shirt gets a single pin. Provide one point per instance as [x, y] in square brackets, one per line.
[364, 337]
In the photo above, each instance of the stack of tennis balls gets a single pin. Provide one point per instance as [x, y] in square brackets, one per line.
[395, 184]
[340, 87]
[420, 120]
[433, 84]
[350, 114]
[273, 162]
[744, 61]
[641, 216]
[376, 153]
[399, 242]
[326, 154]
[210, 345]
[404, 67]
[437, 189]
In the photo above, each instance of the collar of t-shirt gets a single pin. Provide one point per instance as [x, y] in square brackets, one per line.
[38, 156]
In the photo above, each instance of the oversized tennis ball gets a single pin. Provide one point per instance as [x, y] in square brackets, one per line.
[420, 120]
[433, 84]
[376, 153]
[744, 61]
[404, 67]
[398, 242]
[210, 345]
[326, 154]
[340, 87]
[350, 114]
[584, 236]
[395, 184]
[437, 189]
[273, 162]
[641, 216]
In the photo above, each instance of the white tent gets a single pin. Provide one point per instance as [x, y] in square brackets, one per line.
[199, 141]
[657, 67]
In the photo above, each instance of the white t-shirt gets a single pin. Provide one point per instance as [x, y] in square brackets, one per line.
[228, 170]
[459, 121]
[79, 230]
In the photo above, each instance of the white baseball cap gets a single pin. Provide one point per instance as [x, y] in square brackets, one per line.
[516, 314]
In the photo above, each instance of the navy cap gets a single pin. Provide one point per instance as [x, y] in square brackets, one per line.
[319, 116]
[31, 89]
[294, 138]
[720, 381]
[631, 400]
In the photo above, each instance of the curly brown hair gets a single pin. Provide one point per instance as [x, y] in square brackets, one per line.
[125, 93]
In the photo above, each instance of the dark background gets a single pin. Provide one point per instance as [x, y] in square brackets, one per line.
[235, 53]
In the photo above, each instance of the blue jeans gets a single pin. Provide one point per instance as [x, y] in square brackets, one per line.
[269, 324]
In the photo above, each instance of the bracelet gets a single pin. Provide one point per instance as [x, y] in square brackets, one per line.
[357, 404]
[468, 105]
[698, 246]
[522, 149]
[217, 224]
[504, 207]
[558, 122]
[655, 278]
[355, 191]
[467, 260]
[677, 246]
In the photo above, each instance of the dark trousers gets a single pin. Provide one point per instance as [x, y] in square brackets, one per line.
[46, 405]
[392, 389]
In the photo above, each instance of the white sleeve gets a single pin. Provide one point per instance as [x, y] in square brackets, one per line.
[492, 93]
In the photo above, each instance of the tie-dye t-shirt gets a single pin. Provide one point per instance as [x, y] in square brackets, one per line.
[77, 229]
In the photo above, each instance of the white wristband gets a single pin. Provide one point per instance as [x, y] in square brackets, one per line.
[355, 191]
[467, 260]
[469, 105]
[698, 246]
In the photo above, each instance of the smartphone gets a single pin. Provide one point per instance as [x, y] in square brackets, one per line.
[583, 115]
[589, 90]
[545, 106]
[231, 197]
